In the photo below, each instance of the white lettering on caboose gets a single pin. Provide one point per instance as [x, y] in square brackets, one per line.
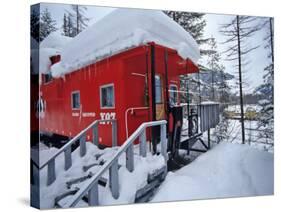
[107, 116]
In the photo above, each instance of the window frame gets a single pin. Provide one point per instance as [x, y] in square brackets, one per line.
[113, 95]
[177, 96]
[45, 77]
[75, 92]
[161, 89]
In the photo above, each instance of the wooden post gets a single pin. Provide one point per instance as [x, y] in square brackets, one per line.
[114, 133]
[83, 145]
[95, 135]
[114, 179]
[130, 158]
[164, 141]
[51, 172]
[143, 144]
[67, 158]
[93, 195]
[209, 139]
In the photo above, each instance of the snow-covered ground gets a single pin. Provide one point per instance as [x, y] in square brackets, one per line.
[253, 136]
[237, 109]
[228, 170]
[129, 182]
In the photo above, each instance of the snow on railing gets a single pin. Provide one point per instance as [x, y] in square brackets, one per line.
[91, 187]
[81, 137]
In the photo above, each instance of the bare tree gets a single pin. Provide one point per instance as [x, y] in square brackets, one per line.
[79, 18]
[237, 32]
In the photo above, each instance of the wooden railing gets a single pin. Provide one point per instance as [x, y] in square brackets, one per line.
[90, 188]
[209, 116]
[66, 149]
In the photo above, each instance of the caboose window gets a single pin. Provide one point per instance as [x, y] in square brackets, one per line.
[75, 100]
[107, 96]
[48, 77]
[158, 90]
[173, 94]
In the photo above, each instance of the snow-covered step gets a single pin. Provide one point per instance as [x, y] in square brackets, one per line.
[143, 194]
[154, 180]
[127, 153]
[125, 168]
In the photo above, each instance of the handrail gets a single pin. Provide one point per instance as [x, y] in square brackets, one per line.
[126, 116]
[67, 148]
[91, 186]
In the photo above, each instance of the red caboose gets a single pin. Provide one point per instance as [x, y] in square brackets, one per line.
[132, 79]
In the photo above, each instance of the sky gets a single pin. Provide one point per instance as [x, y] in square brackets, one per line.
[253, 73]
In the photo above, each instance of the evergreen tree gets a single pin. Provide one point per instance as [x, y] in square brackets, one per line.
[221, 132]
[219, 90]
[65, 25]
[194, 23]
[266, 117]
[35, 23]
[237, 31]
[215, 68]
[224, 89]
[47, 24]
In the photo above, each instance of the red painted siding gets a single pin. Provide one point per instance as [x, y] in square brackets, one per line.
[126, 71]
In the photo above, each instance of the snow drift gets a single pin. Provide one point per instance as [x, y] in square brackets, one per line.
[228, 170]
[120, 30]
[55, 41]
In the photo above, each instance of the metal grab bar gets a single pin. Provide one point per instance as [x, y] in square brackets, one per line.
[91, 187]
[81, 137]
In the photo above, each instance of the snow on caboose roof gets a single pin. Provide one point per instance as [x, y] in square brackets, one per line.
[55, 40]
[120, 30]
[50, 46]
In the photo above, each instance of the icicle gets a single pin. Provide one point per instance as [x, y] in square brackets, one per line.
[107, 63]
[64, 78]
[85, 74]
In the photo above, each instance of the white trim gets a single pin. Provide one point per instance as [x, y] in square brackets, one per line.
[177, 91]
[75, 92]
[138, 74]
[106, 86]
